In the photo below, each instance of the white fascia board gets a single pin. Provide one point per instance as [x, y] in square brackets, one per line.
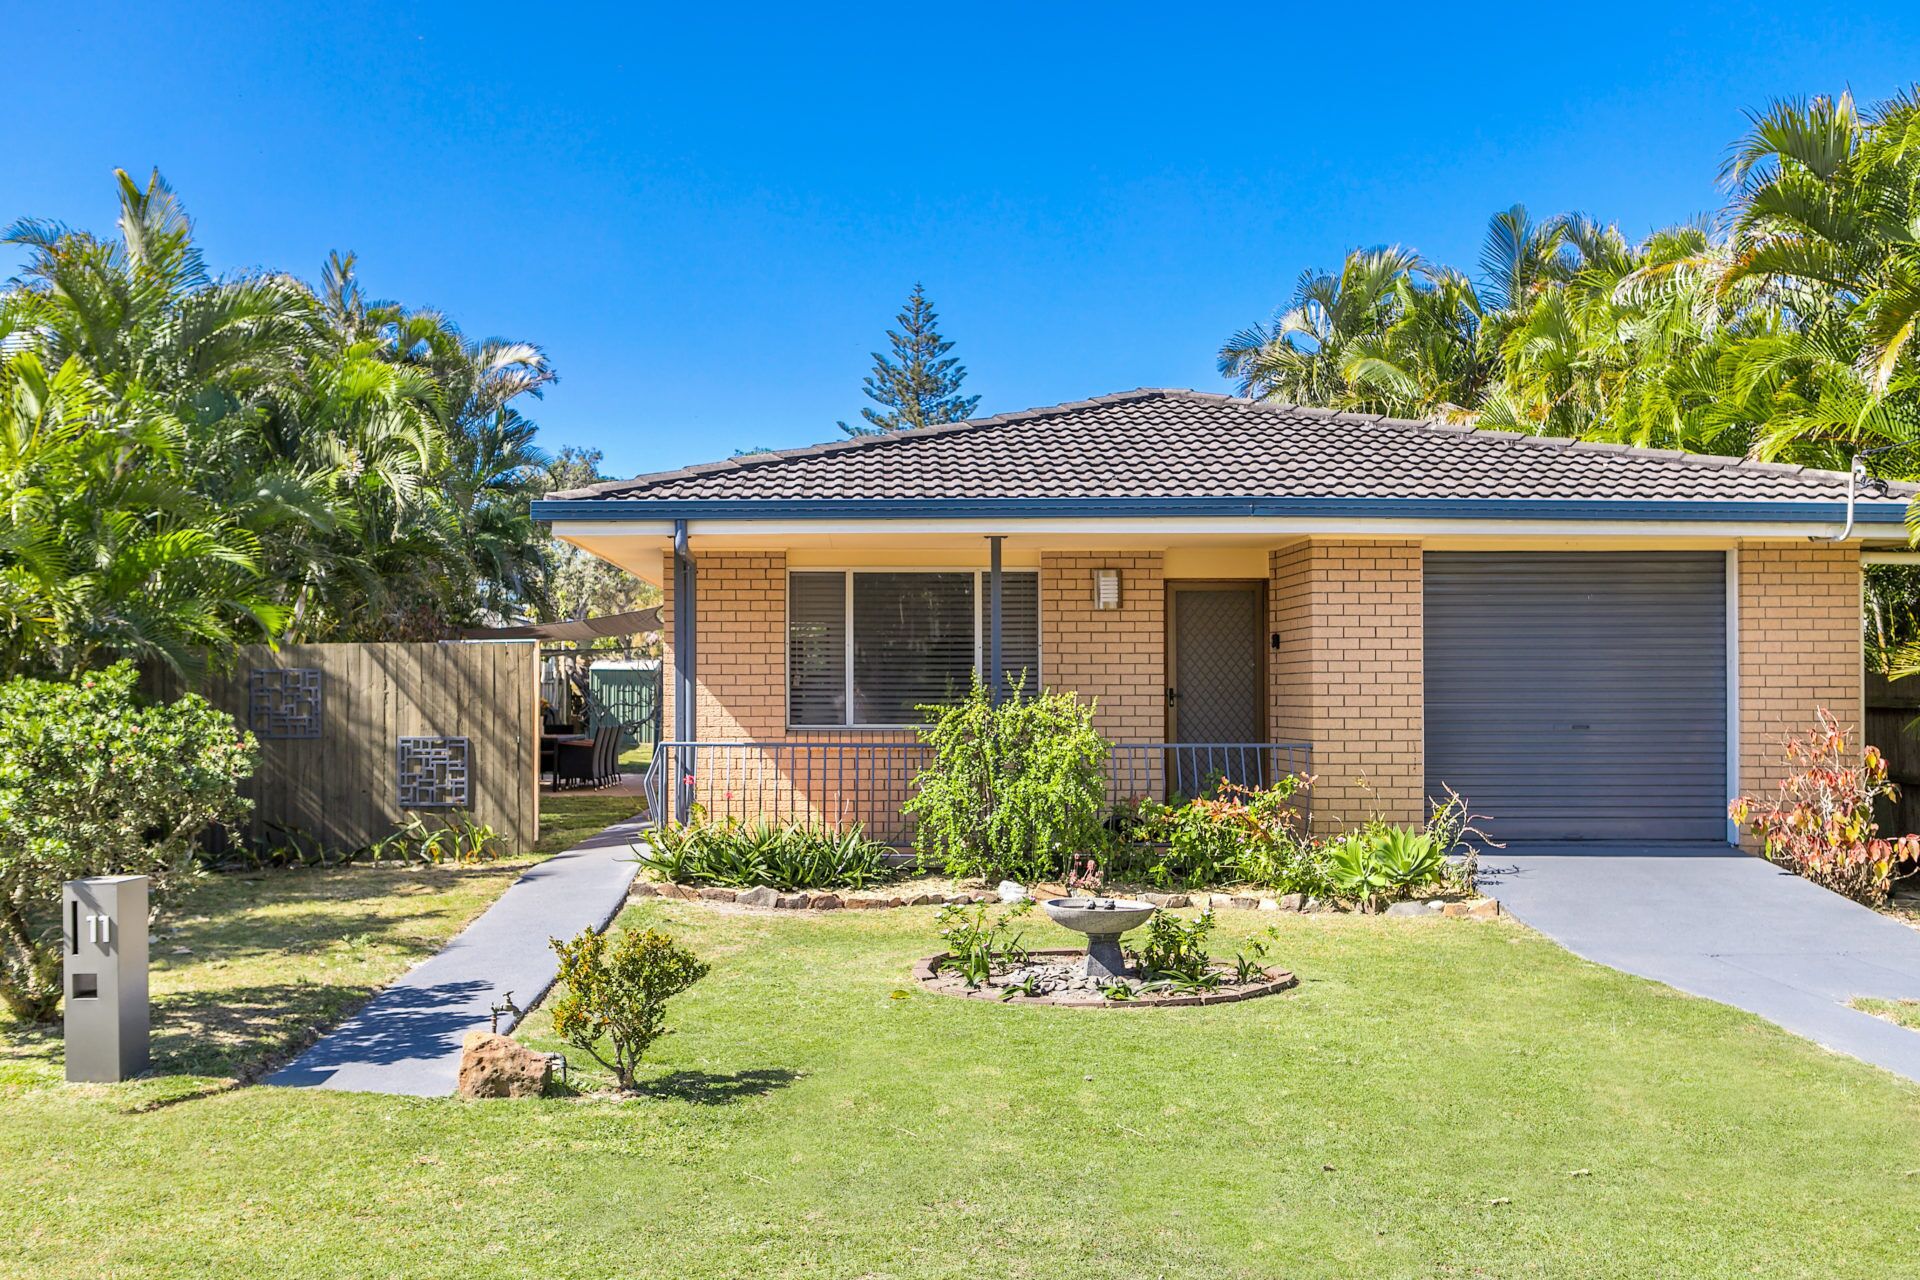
[1233, 526]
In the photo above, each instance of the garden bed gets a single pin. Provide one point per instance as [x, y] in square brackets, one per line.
[929, 893]
[1061, 965]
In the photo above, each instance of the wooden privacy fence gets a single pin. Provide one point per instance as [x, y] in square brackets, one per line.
[357, 739]
[1893, 705]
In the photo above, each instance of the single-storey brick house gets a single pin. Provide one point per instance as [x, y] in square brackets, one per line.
[1589, 641]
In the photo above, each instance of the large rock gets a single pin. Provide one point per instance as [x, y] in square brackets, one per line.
[759, 896]
[495, 1066]
[1012, 892]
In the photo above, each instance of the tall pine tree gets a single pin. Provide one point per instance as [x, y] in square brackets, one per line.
[919, 384]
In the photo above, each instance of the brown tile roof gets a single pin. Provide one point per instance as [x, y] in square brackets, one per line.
[1157, 443]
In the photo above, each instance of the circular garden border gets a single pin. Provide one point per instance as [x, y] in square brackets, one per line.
[926, 971]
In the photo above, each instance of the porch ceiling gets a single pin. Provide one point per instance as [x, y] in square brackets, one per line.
[646, 553]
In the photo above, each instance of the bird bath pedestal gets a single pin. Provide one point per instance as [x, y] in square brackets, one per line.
[1103, 920]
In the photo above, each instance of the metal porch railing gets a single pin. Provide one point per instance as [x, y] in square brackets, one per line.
[840, 783]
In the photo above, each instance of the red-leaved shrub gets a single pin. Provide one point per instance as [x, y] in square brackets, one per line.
[1821, 825]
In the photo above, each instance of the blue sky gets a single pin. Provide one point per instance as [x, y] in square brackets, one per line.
[709, 220]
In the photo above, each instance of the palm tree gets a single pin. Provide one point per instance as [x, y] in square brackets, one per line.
[1299, 357]
[1826, 227]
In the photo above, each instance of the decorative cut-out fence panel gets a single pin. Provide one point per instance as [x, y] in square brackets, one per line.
[342, 787]
[285, 702]
[434, 772]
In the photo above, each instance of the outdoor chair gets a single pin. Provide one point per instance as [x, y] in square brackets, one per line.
[589, 764]
[606, 755]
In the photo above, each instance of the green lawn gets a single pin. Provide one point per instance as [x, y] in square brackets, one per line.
[248, 968]
[1904, 1012]
[1438, 1098]
[566, 820]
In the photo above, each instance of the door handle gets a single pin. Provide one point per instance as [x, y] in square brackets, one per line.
[1172, 694]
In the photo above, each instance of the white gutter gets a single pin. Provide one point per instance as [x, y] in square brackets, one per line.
[1228, 526]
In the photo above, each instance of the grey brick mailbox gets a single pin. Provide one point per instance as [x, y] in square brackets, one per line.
[105, 973]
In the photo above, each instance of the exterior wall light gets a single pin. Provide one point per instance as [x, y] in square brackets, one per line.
[1106, 588]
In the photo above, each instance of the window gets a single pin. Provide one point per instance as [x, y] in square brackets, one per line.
[869, 648]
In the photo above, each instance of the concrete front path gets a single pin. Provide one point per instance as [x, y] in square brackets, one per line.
[1718, 923]
[407, 1038]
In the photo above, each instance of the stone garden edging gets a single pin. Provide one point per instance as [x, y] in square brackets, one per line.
[766, 898]
[927, 973]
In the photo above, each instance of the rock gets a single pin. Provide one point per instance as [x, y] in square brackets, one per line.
[926, 900]
[680, 892]
[983, 895]
[1011, 892]
[759, 896]
[1171, 901]
[1316, 904]
[643, 889]
[1234, 902]
[1478, 909]
[791, 902]
[826, 902]
[1268, 904]
[713, 893]
[1293, 901]
[1408, 909]
[494, 1066]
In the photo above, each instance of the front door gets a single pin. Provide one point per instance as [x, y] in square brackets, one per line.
[1214, 681]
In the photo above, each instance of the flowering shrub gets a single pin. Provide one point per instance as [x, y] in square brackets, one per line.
[1821, 825]
[94, 780]
[1254, 834]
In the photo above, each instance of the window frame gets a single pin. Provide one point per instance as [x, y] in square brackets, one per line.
[980, 577]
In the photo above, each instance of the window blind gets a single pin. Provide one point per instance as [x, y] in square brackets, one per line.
[817, 648]
[913, 643]
[917, 639]
[1019, 628]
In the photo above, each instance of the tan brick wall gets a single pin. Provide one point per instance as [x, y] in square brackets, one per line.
[1799, 636]
[1117, 657]
[1348, 674]
[740, 654]
[741, 667]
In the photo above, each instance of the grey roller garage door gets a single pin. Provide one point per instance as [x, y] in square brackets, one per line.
[1580, 696]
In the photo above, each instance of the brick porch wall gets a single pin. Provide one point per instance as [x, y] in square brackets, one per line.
[1117, 657]
[1799, 629]
[742, 669]
[1348, 676]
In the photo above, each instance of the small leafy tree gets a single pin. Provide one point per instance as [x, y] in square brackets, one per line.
[1820, 824]
[96, 781]
[1014, 790]
[618, 991]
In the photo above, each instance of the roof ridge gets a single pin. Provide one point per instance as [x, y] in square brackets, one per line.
[748, 461]
[1425, 426]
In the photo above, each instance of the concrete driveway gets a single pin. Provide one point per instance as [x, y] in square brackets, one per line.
[1715, 922]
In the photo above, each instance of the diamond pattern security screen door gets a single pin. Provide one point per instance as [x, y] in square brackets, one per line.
[1213, 665]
